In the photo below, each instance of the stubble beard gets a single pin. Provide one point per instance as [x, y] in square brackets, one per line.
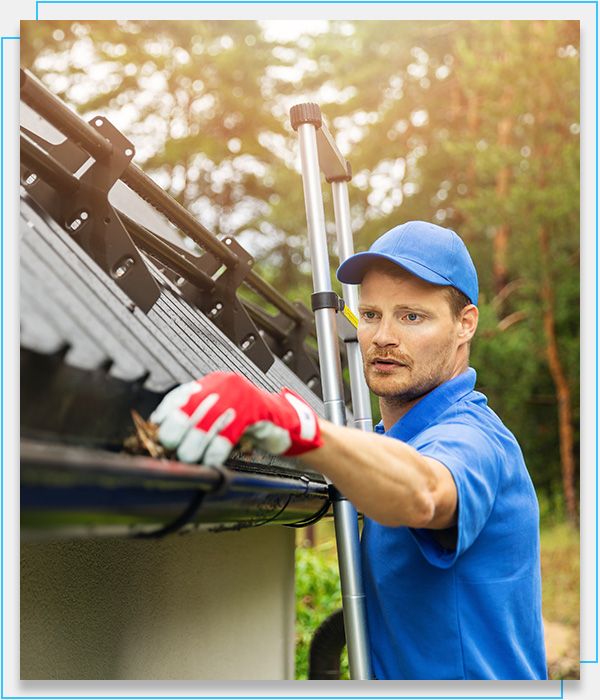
[398, 397]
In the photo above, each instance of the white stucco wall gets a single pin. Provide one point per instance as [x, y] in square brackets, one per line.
[198, 606]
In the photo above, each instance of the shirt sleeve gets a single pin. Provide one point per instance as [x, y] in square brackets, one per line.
[472, 457]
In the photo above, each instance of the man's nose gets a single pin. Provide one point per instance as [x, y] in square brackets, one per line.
[386, 334]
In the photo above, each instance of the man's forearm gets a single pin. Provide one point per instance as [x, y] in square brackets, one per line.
[386, 479]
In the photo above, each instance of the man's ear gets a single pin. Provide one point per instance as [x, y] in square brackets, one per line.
[469, 318]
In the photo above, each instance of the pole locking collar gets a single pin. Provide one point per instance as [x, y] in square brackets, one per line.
[325, 300]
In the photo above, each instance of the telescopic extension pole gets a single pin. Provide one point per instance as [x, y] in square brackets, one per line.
[361, 401]
[318, 151]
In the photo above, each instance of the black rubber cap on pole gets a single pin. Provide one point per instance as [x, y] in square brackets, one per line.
[305, 113]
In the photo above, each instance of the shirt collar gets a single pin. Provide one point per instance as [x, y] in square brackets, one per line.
[432, 405]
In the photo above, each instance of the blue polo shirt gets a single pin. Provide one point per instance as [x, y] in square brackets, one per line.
[473, 611]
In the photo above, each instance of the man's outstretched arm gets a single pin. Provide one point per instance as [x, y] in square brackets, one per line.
[386, 479]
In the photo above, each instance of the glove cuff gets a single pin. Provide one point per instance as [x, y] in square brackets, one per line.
[306, 434]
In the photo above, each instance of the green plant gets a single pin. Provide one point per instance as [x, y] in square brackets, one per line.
[318, 595]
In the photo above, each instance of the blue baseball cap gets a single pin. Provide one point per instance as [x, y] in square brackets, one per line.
[433, 253]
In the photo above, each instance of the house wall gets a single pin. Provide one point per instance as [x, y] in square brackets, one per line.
[198, 606]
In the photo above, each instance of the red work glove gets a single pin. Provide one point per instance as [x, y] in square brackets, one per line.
[204, 419]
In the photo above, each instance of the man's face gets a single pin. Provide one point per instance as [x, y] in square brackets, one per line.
[407, 334]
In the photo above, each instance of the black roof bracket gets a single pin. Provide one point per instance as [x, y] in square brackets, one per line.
[88, 216]
[223, 307]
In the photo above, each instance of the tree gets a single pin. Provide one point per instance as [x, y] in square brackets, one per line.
[533, 213]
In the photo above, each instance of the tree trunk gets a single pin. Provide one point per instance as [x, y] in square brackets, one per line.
[561, 384]
[500, 262]
[472, 126]
[504, 134]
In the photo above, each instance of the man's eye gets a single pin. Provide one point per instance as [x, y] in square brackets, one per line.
[412, 317]
[369, 315]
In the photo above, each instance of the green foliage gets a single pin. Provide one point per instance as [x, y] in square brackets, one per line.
[318, 595]
[519, 389]
[552, 511]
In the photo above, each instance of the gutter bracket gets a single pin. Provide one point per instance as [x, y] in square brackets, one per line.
[176, 525]
[187, 516]
[314, 518]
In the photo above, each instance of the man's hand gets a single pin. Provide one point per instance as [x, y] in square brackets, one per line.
[206, 418]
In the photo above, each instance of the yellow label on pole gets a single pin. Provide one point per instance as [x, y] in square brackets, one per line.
[350, 316]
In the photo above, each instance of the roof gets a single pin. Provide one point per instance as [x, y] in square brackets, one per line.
[90, 353]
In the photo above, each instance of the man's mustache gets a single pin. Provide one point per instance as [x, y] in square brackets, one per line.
[375, 356]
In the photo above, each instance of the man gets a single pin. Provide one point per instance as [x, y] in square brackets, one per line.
[450, 546]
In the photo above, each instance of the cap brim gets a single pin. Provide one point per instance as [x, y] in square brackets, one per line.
[352, 270]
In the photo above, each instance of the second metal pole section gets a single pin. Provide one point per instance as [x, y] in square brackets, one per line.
[306, 120]
[361, 401]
